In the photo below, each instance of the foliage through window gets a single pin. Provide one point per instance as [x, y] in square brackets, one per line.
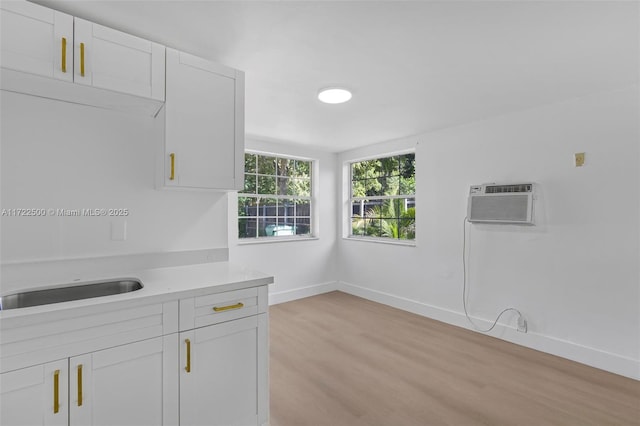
[383, 197]
[276, 200]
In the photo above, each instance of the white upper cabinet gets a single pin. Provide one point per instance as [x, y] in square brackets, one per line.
[41, 48]
[114, 60]
[36, 40]
[204, 127]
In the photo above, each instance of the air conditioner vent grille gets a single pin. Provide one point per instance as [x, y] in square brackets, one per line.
[510, 203]
[499, 189]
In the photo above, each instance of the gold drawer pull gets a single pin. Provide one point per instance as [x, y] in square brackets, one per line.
[79, 385]
[172, 156]
[188, 367]
[227, 308]
[64, 54]
[82, 59]
[56, 391]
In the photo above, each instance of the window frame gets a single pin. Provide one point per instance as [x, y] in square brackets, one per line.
[350, 199]
[313, 213]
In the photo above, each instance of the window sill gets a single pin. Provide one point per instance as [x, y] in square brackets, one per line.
[406, 243]
[271, 240]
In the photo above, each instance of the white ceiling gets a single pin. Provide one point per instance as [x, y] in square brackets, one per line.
[413, 66]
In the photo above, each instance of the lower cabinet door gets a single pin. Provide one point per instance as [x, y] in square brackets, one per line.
[223, 371]
[133, 384]
[35, 396]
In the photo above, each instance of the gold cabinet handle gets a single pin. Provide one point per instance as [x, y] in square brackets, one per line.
[56, 391]
[64, 54]
[188, 367]
[172, 175]
[79, 385]
[226, 308]
[82, 59]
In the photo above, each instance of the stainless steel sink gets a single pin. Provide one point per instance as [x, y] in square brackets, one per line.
[68, 293]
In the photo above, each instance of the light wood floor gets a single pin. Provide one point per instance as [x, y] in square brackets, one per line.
[339, 360]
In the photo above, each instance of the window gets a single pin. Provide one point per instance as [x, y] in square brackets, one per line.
[276, 200]
[382, 198]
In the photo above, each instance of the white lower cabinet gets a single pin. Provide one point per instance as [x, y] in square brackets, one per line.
[125, 385]
[35, 396]
[223, 374]
[133, 384]
[190, 361]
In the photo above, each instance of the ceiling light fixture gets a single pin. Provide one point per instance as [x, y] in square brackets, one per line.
[334, 95]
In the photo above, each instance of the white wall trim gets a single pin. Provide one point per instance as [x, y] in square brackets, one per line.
[301, 292]
[608, 361]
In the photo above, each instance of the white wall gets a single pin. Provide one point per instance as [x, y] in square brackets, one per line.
[300, 268]
[575, 275]
[61, 155]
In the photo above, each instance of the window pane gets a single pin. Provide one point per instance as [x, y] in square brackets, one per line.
[300, 187]
[249, 163]
[303, 226]
[373, 187]
[247, 206]
[359, 188]
[266, 185]
[266, 226]
[393, 177]
[303, 208]
[407, 185]
[365, 169]
[373, 227]
[247, 227]
[303, 168]
[373, 208]
[284, 227]
[286, 207]
[284, 166]
[283, 186]
[267, 207]
[294, 186]
[395, 208]
[388, 185]
[249, 184]
[389, 166]
[407, 165]
[357, 208]
[266, 165]
[407, 220]
[265, 215]
[357, 226]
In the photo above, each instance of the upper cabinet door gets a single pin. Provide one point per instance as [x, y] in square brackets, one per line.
[36, 40]
[204, 139]
[114, 60]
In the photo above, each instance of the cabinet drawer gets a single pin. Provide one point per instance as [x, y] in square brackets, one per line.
[215, 308]
[21, 346]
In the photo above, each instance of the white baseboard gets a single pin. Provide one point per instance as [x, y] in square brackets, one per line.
[301, 292]
[603, 360]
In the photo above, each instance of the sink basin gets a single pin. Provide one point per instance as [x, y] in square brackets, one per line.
[68, 293]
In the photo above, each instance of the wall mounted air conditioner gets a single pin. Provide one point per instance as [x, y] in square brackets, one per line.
[491, 203]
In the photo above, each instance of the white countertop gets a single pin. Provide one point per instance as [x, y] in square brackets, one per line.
[160, 284]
